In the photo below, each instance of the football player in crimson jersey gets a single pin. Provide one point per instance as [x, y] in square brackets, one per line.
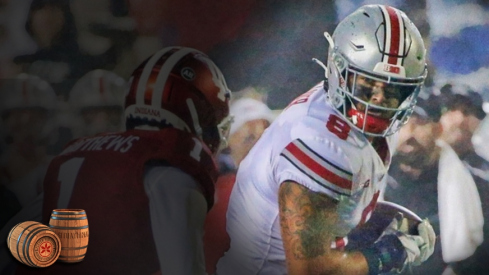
[318, 170]
[146, 190]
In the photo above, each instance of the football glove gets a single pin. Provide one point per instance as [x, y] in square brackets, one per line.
[396, 249]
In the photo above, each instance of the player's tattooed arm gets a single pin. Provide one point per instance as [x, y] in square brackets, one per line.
[303, 220]
[306, 220]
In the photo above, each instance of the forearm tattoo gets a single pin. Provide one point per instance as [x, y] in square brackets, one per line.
[304, 220]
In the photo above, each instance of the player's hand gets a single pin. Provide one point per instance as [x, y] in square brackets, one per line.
[428, 234]
[396, 248]
[418, 247]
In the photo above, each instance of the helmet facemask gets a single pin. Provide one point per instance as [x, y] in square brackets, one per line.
[357, 91]
[215, 134]
[219, 133]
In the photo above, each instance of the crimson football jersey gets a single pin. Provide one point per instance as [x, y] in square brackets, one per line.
[104, 176]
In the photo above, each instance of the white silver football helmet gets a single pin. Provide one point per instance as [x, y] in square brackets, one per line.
[97, 101]
[376, 43]
[28, 105]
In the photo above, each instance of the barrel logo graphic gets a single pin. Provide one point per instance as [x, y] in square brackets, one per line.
[34, 244]
[44, 248]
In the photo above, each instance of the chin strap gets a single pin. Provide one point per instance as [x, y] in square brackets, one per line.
[330, 39]
[320, 63]
[367, 122]
[331, 46]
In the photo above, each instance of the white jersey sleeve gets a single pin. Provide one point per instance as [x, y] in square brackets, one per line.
[318, 164]
[316, 150]
[177, 208]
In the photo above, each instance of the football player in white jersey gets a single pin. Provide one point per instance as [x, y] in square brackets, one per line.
[317, 171]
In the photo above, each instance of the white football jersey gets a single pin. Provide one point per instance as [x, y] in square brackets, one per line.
[309, 143]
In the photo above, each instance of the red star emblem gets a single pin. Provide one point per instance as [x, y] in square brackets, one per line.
[45, 249]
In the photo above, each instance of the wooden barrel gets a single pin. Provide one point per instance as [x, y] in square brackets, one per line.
[34, 244]
[71, 226]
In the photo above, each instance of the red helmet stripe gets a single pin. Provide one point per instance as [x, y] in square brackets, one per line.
[165, 71]
[143, 79]
[394, 35]
[101, 85]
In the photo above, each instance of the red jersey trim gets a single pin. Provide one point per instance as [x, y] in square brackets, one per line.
[317, 168]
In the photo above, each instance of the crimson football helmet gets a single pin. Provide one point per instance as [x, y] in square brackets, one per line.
[376, 43]
[180, 88]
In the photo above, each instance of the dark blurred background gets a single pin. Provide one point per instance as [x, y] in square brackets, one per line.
[65, 64]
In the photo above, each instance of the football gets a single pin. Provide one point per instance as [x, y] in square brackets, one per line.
[366, 234]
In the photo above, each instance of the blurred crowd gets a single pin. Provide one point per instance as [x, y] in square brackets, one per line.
[64, 67]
